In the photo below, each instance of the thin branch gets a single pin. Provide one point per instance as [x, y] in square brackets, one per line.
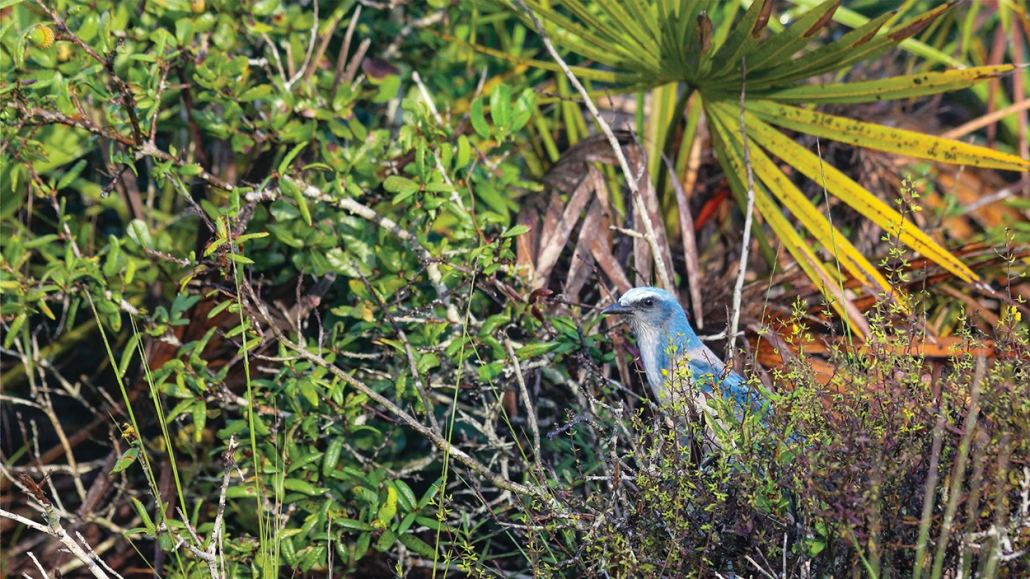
[278, 61]
[415, 76]
[530, 408]
[38, 566]
[738, 288]
[341, 59]
[638, 199]
[412, 364]
[96, 557]
[54, 529]
[310, 51]
[320, 52]
[128, 101]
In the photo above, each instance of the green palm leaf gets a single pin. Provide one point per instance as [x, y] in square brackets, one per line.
[643, 44]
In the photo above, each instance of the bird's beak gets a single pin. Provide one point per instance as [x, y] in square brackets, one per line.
[616, 309]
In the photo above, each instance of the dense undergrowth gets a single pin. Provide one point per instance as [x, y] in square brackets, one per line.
[307, 289]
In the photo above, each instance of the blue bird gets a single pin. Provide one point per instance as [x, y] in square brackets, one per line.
[667, 343]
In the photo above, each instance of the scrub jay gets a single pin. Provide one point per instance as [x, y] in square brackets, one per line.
[667, 343]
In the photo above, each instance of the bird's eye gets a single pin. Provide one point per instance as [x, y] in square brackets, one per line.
[648, 302]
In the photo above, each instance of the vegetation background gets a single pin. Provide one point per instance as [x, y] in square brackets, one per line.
[308, 288]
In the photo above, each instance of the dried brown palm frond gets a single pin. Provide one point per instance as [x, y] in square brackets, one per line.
[588, 216]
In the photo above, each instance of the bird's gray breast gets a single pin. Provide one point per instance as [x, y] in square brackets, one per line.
[657, 349]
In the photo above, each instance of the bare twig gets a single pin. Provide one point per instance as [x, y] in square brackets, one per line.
[412, 364]
[275, 53]
[355, 62]
[427, 97]
[165, 68]
[530, 408]
[54, 529]
[128, 101]
[638, 199]
[982, 121]
[310, 51]
[38, 566]
[213, 555]
[759, 567]
[341, 59]
[322, 46]
[749, 213]
[96, 557]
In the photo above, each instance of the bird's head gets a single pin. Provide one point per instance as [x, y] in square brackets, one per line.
[651, 308]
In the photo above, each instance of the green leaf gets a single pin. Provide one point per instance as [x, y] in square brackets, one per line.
[536, 349]
[366, 495]
[386, 540]
[417, 545]
[71, 175]
[854, 19]
[500, 106]
[478, 120]
[434, 524]
[746, 34]
[127, 353]
[190, 170]
[405, 495]
[285, 163]
[332, 455]
[199, 420]
[782, 46]
[308, 390]
[464, 150]
[401, 187]
[303, 486]
[144, 515]
[125, 461]
[859, 44]
[139, 232]
[516, 231]
[290, 188]
[352, 525]
[362, 544]
[388, 508]
[254, 93]
[430, 494]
